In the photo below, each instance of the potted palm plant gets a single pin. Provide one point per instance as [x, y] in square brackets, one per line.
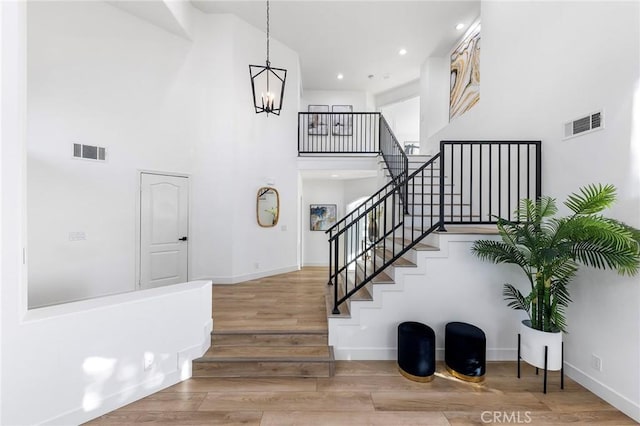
[549, 250]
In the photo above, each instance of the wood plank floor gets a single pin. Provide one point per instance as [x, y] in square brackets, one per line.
[292, 302]
[361, 392]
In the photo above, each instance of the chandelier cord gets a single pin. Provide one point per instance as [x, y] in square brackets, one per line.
[268, 33]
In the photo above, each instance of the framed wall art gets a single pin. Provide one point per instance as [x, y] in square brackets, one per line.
[318, 123]
[341, 120]
[322, 216]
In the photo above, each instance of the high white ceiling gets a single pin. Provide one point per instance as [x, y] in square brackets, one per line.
[357, 38]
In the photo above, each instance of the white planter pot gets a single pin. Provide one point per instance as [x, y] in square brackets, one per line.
[532, 343]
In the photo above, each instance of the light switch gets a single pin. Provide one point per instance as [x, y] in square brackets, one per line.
[77, 236]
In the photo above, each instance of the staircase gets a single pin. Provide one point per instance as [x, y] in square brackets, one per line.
[267, 354]
[270, 327]
[465, 183]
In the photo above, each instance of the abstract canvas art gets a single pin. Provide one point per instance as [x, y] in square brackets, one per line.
[322, 216]
[465, 75]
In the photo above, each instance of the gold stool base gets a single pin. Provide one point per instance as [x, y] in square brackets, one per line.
[472, 379]
[421, 379]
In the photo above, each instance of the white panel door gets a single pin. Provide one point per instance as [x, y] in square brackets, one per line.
[164, 245]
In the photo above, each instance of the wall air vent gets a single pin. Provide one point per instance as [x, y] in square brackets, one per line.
[89, 152]
[587, 124]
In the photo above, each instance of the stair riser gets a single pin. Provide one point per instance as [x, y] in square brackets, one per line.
[269, 339]
[262, 369]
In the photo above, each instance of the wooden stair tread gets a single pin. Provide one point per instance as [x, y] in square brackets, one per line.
[269, 332]
[470, 229]
[417, 246]
[269, 338]
[388, 254]
[343, 308]
[266, 353]
[381, 278]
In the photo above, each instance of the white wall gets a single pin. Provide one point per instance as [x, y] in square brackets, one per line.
[434, 99]
[404, 119]
[90, 352]
[96, 76]
[361, 101]
[398, 94]
[314, 243]
[328, 191]
[157, 102]
[543, 64]
[449, 285]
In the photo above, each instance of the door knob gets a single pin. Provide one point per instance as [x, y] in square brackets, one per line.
[183, 239]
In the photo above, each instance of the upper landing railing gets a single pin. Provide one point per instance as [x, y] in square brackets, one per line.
[338, 133]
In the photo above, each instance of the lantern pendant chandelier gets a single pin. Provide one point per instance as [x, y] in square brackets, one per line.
[267, 83]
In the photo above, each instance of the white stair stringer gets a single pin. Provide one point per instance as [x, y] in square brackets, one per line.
[445, 285]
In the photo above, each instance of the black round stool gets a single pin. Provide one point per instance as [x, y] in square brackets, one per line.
[465, 348]
[416, 351]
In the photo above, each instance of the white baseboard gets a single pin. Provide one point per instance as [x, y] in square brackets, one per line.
[235, 279]
[386, 354]
[315, 264]
[622, 403]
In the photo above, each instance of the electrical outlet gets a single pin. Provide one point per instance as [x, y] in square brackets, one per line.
[596, 362]
[148, 361]
[256, 265]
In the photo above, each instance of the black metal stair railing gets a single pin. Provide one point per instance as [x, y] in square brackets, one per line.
[487, 179]
[379, 231]
[467, 182]
[338, 133]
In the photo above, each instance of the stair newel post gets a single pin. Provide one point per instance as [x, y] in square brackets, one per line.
[335, 311]
[330, 282]
[441, 227]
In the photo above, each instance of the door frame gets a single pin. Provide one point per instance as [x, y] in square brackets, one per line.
[138, 219]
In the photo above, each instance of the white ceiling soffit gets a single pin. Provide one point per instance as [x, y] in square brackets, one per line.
[357, 38]
[157, 12]
[337, 174]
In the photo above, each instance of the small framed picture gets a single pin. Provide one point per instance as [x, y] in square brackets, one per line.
[341, 120]
[322, 216]
[318, 123]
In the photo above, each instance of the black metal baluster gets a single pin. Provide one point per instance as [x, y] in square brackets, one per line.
[480, 183]
[509, 207]
[529, 171]
[500, 180]
[470, 184]
[538, 170]
[335, 311]
[490, 179]
[518, 174]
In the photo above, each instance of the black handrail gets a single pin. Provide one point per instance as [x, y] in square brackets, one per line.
[394, 157]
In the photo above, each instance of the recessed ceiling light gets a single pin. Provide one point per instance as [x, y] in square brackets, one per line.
[402, 52]
[340, 76]
[460, 26]
[335, 176]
